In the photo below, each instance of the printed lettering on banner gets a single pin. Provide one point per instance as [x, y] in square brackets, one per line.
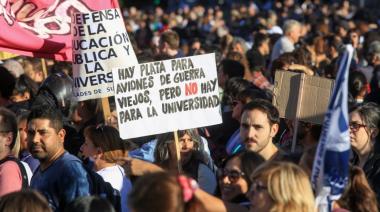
[38, 28]
[164, 96]
[100, 43]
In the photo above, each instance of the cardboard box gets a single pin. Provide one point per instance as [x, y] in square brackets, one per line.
[302, 97]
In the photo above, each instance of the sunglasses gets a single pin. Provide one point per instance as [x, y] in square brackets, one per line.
[233, 175]
[354, 127]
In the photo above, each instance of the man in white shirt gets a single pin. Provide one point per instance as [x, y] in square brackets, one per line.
[292, 33]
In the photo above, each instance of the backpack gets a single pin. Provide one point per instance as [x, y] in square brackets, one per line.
[24, 175]
[101, 188]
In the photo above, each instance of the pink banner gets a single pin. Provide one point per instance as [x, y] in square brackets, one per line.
[41, 28]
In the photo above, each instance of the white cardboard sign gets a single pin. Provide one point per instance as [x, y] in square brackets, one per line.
[164, 96]
[100, 43]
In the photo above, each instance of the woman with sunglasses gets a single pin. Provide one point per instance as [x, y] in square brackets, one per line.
[280, 186]
[234, 179]
[276, 187]
[364, 132]
[104, 147]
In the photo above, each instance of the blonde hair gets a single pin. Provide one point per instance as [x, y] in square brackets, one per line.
[289, 26]
[288, 186]
[15, 151]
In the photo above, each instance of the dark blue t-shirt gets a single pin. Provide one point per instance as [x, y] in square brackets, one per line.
[30, 160]
[62, 182]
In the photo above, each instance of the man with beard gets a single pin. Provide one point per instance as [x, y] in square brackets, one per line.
[61, 177]
[259, 125]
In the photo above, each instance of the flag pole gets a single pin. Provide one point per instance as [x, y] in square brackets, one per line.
[106, 108]
[295, 132]
[298, 111]
[177, 150]
[44, 67]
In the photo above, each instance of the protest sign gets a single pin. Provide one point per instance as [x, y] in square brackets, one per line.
[38, 28]
[302, 97]
[100, 43]
[165, 96]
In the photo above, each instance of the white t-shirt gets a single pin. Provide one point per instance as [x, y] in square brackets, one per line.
[29, 172]
[116, 177]
[282, 46]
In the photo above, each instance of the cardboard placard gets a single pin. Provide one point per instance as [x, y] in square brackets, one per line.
[100, 43]
[165, 96]
[301, 97]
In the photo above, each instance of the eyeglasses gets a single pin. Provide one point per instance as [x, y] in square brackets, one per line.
[233, 175]
[354, 127]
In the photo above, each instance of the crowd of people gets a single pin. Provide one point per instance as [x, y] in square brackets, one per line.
[61, 155]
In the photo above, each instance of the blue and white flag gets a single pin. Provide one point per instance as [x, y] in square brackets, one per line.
[331, 164]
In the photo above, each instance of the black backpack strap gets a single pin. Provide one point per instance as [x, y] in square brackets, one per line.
[24, 175]
[99, 187]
